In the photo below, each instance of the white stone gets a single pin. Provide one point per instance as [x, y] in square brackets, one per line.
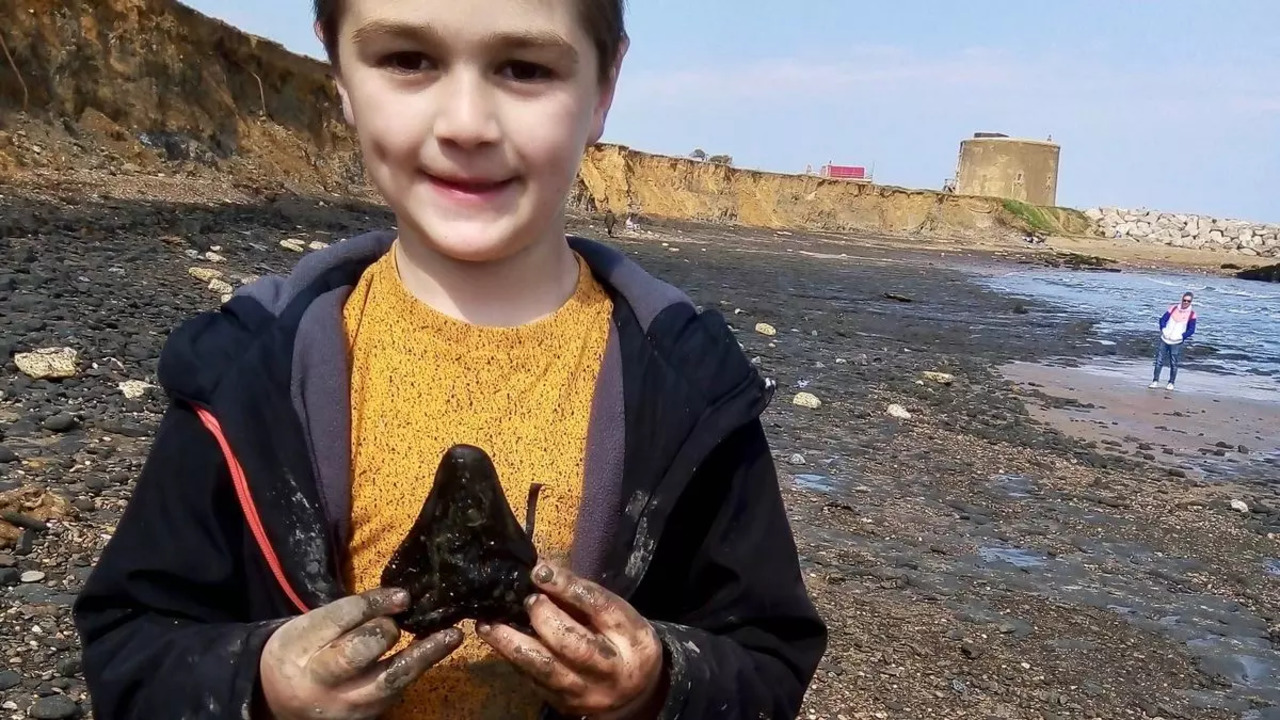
[293, 245]
[134, 389]
[1239, 506]
[225, 298]
[766, 329]
[807, 400]
[204, 274]
[214, 257]
[221, 287]
[1248, 251]
[317, 245]
[48, 363]
[1094, 214]
[32, 576]
[796, 459]
[939, 377]
[897, 411]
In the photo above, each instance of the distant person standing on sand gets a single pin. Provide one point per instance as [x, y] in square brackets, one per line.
[1176, 325]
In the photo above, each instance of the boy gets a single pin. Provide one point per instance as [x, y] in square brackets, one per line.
[310, 412]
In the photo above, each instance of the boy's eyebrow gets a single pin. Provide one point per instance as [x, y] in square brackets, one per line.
[514, 40]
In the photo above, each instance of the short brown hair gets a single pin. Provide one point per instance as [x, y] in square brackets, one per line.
[602, 19]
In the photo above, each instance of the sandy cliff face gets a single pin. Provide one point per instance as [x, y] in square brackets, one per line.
[150, 78]
[621, 180]
[141, 85]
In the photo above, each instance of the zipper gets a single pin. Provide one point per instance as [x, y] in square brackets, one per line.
[241, 483]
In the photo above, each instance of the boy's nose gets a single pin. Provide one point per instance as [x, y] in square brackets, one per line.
[467, 116]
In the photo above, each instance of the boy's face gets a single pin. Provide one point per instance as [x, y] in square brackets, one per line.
[472, 116]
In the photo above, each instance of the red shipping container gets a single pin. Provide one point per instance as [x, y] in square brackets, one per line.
[845, 172]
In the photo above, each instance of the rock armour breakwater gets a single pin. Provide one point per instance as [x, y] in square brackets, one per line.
[1197, 232]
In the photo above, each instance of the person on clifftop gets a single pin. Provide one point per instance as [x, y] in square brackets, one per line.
[309, 413]
[1177, 325]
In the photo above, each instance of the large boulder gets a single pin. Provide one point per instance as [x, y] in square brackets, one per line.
[1269, 273]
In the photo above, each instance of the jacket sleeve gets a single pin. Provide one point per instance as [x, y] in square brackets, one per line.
[1164, 319]
[1191, 327]
[741, 635]
[161, 615]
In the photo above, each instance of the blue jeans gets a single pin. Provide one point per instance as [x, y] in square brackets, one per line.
[1171, 354]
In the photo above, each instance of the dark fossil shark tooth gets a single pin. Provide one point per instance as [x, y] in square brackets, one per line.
[466, 557]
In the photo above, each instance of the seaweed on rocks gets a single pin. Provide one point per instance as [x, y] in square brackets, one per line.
[466, 557]
[1270, 273]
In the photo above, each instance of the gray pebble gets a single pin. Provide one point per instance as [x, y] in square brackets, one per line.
[33, 593]
[62, 422]
[54, 707]
[68, 666]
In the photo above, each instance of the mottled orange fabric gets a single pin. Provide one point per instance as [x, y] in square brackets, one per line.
[422, 381]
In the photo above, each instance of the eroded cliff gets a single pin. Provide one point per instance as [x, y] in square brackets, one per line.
[144, 84]
[621, 180]
[153, 79]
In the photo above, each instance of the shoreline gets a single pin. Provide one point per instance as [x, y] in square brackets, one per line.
[198, 188]
[1213, 427]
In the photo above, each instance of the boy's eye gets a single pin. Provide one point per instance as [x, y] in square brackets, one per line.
[523, 71]
[407, 62]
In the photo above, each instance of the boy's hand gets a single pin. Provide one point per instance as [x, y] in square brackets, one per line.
[324, 665]
[594, 655]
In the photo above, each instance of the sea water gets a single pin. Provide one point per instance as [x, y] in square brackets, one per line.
[1239, 318]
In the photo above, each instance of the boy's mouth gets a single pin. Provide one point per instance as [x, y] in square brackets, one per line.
[471, 187]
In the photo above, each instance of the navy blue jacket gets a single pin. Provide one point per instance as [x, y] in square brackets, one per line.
[239, 518]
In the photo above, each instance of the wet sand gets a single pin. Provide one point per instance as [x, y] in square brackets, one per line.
[1215, 426]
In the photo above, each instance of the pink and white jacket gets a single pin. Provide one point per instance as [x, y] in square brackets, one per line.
[1177, 324]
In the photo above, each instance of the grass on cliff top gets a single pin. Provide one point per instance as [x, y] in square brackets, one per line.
[1035, 217]
[1048, 220]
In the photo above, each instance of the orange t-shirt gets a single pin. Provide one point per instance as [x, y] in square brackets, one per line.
[421, 382]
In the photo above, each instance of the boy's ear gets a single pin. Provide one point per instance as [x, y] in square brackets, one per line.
[342, 90]
[347, 114]
[607, 89]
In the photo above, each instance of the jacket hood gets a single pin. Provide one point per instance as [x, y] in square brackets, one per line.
[199, 352]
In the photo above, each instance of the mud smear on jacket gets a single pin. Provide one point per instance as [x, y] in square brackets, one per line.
[466, 557]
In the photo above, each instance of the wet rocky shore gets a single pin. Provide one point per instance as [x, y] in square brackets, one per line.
[971, 561]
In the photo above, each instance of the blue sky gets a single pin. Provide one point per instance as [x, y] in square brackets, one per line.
[1166, 104]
